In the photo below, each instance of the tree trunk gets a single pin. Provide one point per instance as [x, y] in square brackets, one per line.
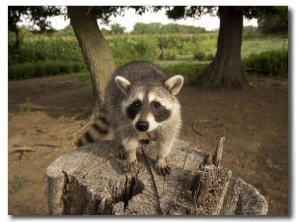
[95, 49]
[227, 70]
[91, 180]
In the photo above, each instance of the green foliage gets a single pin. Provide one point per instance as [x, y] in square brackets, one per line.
[250, 32]
[249, 12]
[45, 48]
[36, 14]
[126, 48]
[273, 20]
[40, 55]
[117, 29]
[269, 63]
[43, 68]
[60, 53]
[199, 55]
[260, 43]
[188, 70]
[67, 32]
[209, 57]
[143, 28]
[158, 28]
[174, 47]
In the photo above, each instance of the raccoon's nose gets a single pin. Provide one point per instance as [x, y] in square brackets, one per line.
[142, 125]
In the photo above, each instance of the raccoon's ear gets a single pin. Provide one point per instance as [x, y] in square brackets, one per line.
[174, 84]
[123, 84]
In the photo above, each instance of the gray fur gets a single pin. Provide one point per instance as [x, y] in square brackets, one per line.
[144, 82]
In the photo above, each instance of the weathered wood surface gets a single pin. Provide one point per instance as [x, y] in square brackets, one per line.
[91, 180]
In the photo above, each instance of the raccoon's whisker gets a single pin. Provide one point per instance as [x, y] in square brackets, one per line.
[122, 128]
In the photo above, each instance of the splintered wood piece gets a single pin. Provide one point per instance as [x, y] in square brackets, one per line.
[218, 153]
[209, 188]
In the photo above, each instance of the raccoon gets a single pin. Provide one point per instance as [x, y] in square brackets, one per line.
[140, 103]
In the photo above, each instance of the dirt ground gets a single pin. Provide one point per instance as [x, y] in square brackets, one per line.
[45, 113]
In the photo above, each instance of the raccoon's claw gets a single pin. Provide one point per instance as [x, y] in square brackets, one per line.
[161, 166]
[132, 166]
[163, 170]
[121, 154]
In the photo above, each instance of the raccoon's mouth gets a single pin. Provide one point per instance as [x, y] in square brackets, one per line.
[151, 136]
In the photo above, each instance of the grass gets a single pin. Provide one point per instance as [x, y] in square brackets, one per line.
[17, 184]
[271, 165]
[26, 106]
[258, 45]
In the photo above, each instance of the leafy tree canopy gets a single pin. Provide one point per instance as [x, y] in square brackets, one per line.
[36, 14]
[180, 12]
[39, 14]
[273, 20]
[117, 29]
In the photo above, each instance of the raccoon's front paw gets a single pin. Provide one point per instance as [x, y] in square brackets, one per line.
[132, 166]
[162, 168]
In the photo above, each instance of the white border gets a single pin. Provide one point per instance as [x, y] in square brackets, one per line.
[294, 146]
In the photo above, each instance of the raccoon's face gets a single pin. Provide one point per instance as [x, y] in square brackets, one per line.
[149, 106]
[147, 111]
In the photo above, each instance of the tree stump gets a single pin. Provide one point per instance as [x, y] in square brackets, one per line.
[92, 181]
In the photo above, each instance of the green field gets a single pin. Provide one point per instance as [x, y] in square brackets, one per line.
[40, 55]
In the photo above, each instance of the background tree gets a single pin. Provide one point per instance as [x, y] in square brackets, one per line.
[171, 28]
[226, 70]
[143, 28]
[184, 29]
[95, 49]
[117, 29]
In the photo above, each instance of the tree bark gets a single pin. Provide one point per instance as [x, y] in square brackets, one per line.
[227, 70]
[95, 49]
[91, 180]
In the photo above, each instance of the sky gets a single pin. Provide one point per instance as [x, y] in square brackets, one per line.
[130, 18]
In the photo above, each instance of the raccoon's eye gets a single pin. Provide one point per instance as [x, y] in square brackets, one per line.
[157, 105]
[136, 104]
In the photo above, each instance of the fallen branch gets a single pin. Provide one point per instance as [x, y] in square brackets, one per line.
[47, 145]
[194, 126]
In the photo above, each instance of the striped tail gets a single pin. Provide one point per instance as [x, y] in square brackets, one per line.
[97, 131]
